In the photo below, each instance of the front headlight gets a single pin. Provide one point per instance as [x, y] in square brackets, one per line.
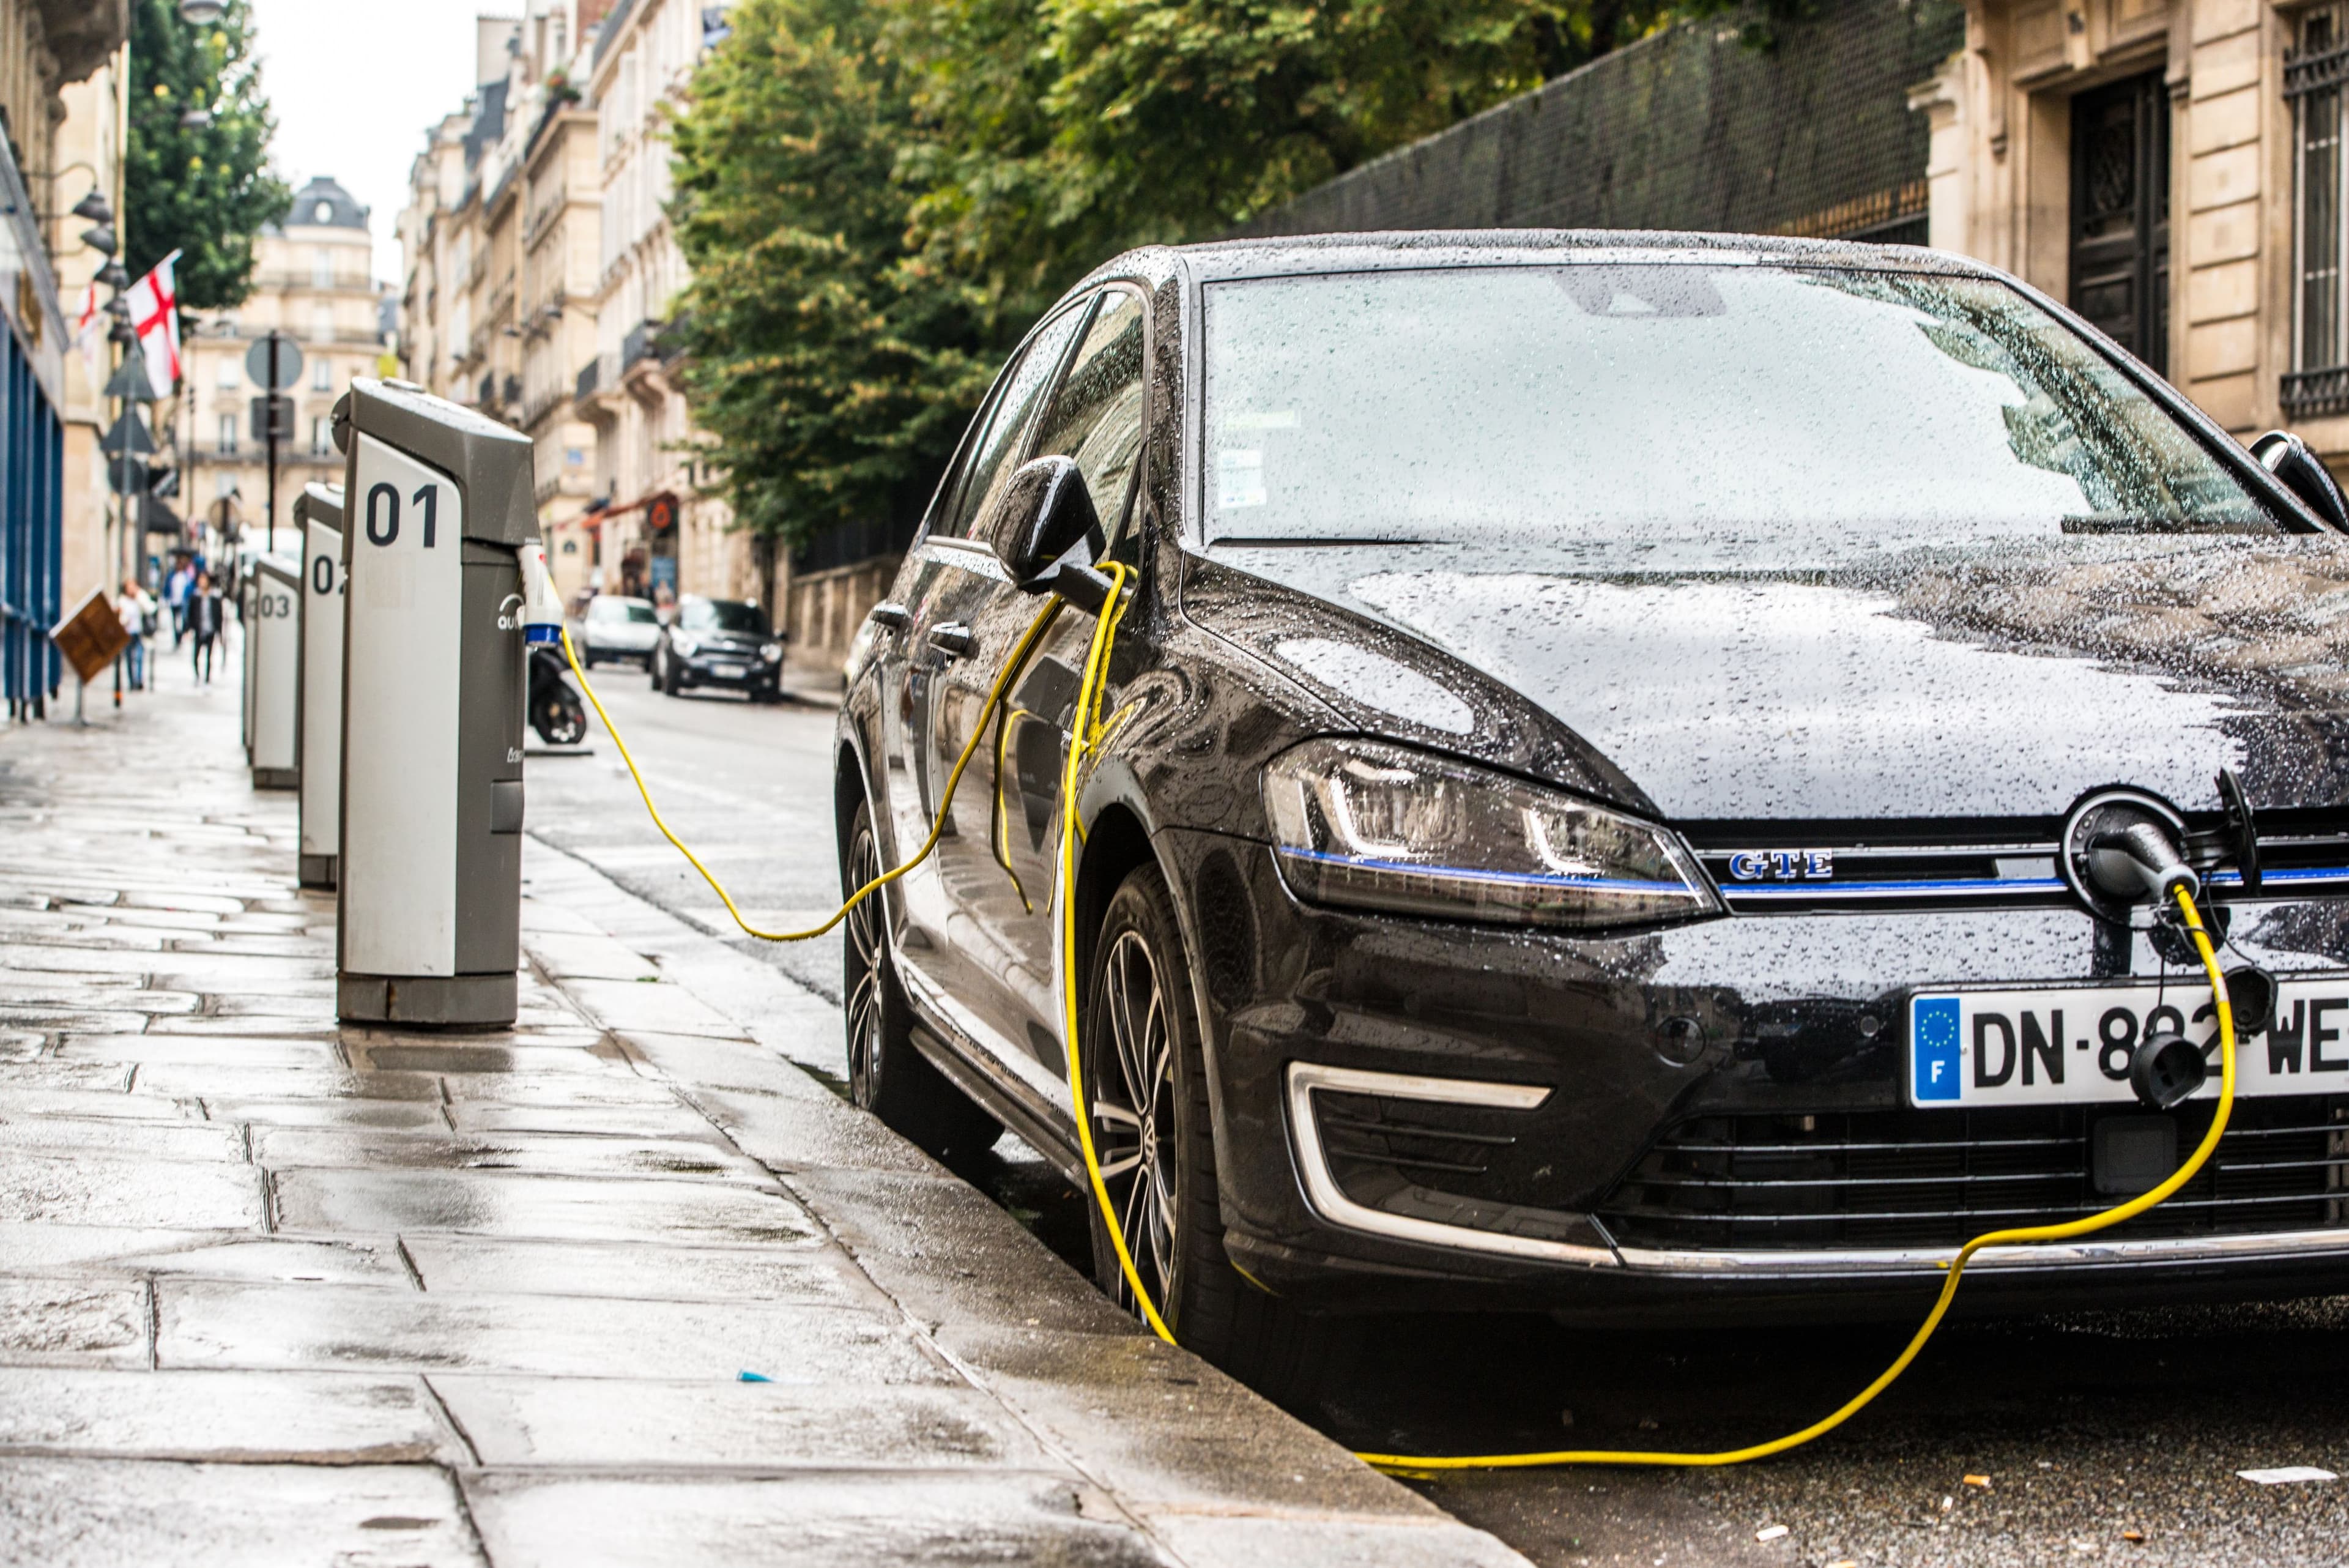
[1386, 828]
[683, 645]
[772, 651]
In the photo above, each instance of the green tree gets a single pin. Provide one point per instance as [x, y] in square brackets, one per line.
[1067, 129]
[833, 365]
[200, 190]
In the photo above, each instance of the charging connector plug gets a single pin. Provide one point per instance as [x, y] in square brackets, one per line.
[542, 607]
[2142, 864]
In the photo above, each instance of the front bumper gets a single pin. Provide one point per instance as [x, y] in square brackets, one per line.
[749, 674]
[1319, 1018]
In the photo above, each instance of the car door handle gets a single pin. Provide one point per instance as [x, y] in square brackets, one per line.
[953, 640]
[890, 616]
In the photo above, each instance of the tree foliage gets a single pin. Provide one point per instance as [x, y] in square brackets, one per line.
[203, 190]
[833, 365]
[877, 196]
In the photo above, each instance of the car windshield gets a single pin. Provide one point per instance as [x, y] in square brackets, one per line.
[1646, 402]
[722, 615]
[621, 610]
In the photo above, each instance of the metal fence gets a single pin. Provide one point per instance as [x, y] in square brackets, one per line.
[1691, 128]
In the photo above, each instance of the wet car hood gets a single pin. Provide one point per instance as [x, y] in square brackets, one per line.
[1996, 681]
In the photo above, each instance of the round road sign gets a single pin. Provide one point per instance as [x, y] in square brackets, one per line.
[289, 361]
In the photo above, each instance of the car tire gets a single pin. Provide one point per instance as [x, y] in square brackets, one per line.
[887, 1074]
[672, 677]
[653, 670]
[1140, 975]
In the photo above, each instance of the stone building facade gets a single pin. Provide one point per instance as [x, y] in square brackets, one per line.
[313, 279]
[539, 274]
[661, 532]
[2174, 172]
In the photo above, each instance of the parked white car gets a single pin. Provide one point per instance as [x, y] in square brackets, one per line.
[619, 629]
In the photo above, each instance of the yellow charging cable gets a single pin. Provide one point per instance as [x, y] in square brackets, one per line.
[1011, 667]
[1086, 732]
[1084, 735]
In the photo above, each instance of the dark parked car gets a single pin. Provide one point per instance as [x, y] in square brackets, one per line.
[718, 642]
[1603, 772]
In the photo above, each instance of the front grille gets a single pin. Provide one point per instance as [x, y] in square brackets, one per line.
[1792, 868]
[1909, 1179]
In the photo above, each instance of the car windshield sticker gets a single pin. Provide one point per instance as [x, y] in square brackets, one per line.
[1239, 477]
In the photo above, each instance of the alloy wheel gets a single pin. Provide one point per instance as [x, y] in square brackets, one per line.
[868, 959]
[1134, 1110]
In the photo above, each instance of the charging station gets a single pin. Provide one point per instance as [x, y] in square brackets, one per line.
[438, 511]
[273, 665]
[318, 514]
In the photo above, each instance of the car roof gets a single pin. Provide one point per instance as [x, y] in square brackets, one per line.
[1397, 249]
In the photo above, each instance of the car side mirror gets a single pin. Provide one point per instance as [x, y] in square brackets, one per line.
[2296, 468]
[1045, 527]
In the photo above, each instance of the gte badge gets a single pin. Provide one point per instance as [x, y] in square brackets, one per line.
[1783, 865]
[1933, 1049]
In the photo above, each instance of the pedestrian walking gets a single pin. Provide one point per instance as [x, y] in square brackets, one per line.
[204, 624]
[136, 608]
[175, 594]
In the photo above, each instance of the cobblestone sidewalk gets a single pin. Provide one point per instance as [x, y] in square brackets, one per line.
[274, 1292]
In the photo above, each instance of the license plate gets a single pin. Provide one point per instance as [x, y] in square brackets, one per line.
[728, 670]
[2071, 1045]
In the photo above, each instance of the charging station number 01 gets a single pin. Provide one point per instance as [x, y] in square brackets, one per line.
[383, 513]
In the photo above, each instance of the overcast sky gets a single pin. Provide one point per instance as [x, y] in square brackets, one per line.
[355, 87]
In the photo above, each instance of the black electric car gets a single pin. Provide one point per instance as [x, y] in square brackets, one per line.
[718, 642]
[1603, 769]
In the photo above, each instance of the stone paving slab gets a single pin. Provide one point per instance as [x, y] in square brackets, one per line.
[468, 1264]
[329, 1419]
[82, 1188]
[542, 1154]
[315, 1326]
[815, 1521]
[704, 1426]
[87, 1322]
[105, 1513]
[484, 1203]
[277, 1291]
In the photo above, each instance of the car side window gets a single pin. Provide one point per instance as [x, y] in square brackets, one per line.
[995, 453]
[1096, 416]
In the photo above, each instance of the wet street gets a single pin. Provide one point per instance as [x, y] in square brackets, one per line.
[2109, 1435]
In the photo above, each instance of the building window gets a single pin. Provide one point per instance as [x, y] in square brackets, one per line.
[322, 440]
[223, 486]
[225, 375]
[2314, 77]
[322, 324]
[227, 435]
[322, 375]
[321, 268]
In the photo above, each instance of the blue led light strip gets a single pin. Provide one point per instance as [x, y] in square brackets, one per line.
[2298, 874]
